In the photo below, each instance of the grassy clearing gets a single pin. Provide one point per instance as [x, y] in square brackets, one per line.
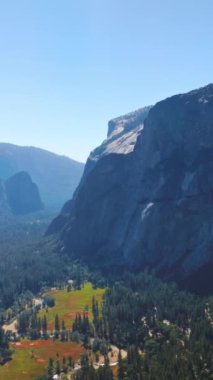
[67, 304]
[30, 359]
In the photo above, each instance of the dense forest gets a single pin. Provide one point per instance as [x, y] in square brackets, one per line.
[5, 352]
[168, 333]
[27, 258]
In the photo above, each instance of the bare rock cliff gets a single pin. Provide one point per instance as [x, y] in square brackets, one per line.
[146, 198]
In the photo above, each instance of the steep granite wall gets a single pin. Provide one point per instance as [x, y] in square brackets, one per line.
[150, 205]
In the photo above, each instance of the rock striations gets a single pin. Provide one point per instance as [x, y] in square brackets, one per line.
[146, 197]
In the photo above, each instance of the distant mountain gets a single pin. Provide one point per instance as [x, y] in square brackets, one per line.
[19, 196]
[22, 194]
[56, 176]
[146, 198]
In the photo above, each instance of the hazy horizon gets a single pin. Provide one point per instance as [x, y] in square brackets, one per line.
[67, 68]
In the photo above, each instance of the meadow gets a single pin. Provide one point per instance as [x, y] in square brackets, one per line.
[68, 304]
[30, 358]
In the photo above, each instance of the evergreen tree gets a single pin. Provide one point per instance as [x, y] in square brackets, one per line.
[50, 369]
[44, 325]
[121, 371]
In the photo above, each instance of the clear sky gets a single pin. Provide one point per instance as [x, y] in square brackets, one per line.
[68, 66]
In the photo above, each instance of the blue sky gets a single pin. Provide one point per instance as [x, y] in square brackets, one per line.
[67, 67]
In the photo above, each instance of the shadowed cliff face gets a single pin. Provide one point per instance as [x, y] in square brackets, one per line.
[150, 205]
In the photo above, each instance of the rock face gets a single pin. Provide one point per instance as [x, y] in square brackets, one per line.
[56, 176]
[151, 205]
[22, 194]
[121, 138]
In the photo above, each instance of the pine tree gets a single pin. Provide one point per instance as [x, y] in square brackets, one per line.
[50, 369]
[44, 324]
[63, 325]
[70, 361]
[120, 367]
[57, 323]
[58, 367]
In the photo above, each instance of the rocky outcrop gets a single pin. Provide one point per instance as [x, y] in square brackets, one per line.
[121, 137]
[22, 194]
[151, 205]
